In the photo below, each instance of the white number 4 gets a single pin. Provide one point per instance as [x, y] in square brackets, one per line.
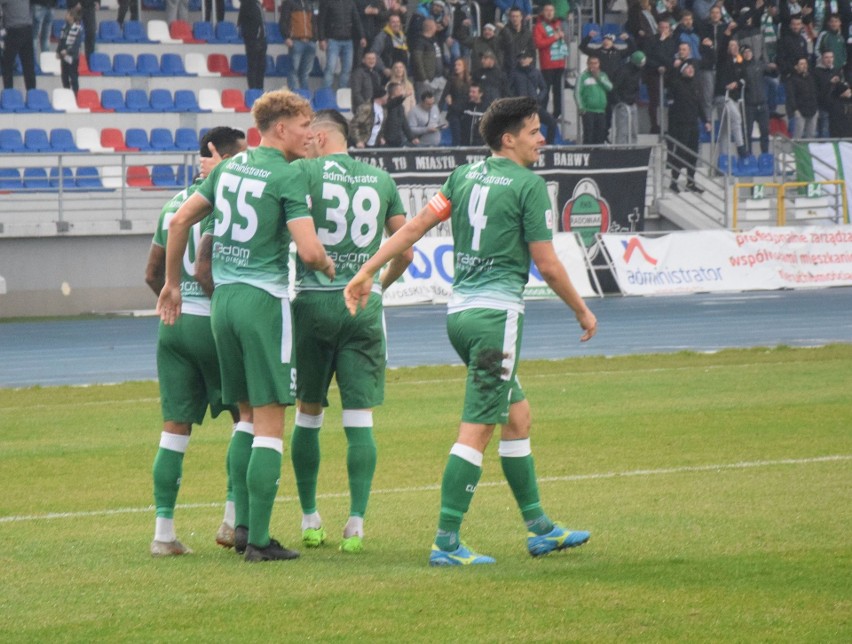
[476, 213]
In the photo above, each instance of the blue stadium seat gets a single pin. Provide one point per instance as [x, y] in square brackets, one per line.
[304, 93]
[186, 139]
[113, 99]
[283, 65]
[11, 141]
[765, 165]
[56, 28]
[226, 32]
[61, 140]
[239, 64]
[612, 28]
[163, 176]
[36, 140]
[67, 178]
[591, 26]
[203, 30]
[270, 65]
[88, 178]
[10, 179]
[185, 101]
[122, 65]
[136, 137]
[147, 65]
[36, 179]
[161, 100]
[172, 65]
[273, 34]
[252, 95]
[325, 98]
[135, 100]
[135, 31]
[11, 100]
[99, 63]
[195, 5]
[156, 5]
[746, 167]
[39, 101]
[162, 139]
[724, 162]
[109, 31]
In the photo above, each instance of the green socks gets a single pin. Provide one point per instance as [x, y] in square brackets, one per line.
[167, 471]
[239, 453]
[305, 456]
[461, 476]
[263, 478]
[361, 465]
[519, 470]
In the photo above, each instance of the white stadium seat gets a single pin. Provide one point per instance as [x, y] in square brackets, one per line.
[64, 99]
[88, 138]
[196, 63]
[158, 31]
[344, 99]
[209, 99]
[49, 63]
[112, 176]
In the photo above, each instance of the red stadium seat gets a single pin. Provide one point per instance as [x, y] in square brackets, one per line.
[253, 137]
[113, 138]
[219, 63]
[235, 99]
[89, 98]
[138, 176]
[182, 30]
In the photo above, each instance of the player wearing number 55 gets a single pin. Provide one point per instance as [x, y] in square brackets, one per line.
[258, 203]
[352, 204]
[501, 218]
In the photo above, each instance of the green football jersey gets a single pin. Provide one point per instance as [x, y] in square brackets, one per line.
[498, 207]
[350, 202]
[254, 194]
[195, 301]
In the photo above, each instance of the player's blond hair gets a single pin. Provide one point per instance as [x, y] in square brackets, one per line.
[278, 104]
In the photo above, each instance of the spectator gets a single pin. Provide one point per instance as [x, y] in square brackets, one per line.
[487, 41]
[396, 131]
[425, 122]
[552, 53]
[461, 26]
[747, 13]
[133, 7]
[840, 115]
[802, 102]
[624, 96]
[592, 91]
[208, 10]
[682, 55]
[513, 39]
[701, 9]
[253, 30]
[374, 16]
[641, 22]
[391, 45]
[399, 74]
[715, 34]
[18, 43]
[507, 6]
[729, 75]
[491, 79]
[686, 111]
[659, 52]
[427, 61]
[365, 80]
[473, 111]
[89, 14]
[670, 11]
[792, 47]
[528, 81]
[42, 13]
[831, 39]
[827, 77]
[368, 121]
[338, 25]
[68, 49]
[756, 104]
[685, 32]
[455, 96]
[297, 23]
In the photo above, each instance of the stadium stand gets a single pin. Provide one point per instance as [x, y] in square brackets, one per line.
[161, 100]
[137, 139]
[88, 178]
[61, 140]
[38, 100]
[147, 65]
[11, 100]
[251, 96]
[186, 139]
[36, 179]
[162, 139]
[10, 179]
[36, 140]
[11, 141]
[63, 180]
[135, 32]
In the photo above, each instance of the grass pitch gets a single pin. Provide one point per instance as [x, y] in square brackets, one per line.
[718, 490]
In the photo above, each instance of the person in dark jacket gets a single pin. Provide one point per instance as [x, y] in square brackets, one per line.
[624, 95]
[68, 49]
[89, 9]
[339, 25]
[297, 23]
[374, 16]
[728, 92]
[391, 45]
[365, 80]
[802, 101]
[491, 78]
[659, 51]
[514, 38]
[747, 15]
[792, 46]
[253, 30]
[840, 112]
[472, 114]
[16, 18]
[396, 131]
[527, 80]
[827, 76]
[686, 111]
[754, 94]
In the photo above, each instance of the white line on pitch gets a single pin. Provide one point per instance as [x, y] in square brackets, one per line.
[429, 488]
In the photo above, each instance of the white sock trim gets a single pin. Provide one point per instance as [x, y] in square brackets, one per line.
[164, 530]
[174, 442]
[268, 442]
[515, 449]
[230, 513]
[312, 520]
[244, 426]
[357, 418]
[309, 421]
[354, 527]
[467, 453]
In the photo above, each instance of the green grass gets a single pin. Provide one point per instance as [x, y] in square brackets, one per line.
[716, 514]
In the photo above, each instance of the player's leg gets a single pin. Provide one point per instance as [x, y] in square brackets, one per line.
[305, 455]
[239, 453]
[360, 466]
[167, 473]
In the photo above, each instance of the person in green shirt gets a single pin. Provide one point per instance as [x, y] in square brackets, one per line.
[258, 201]
[592, 91]
[501, 218]
[352, 204]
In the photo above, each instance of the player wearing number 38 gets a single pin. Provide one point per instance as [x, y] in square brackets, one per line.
[501, 217]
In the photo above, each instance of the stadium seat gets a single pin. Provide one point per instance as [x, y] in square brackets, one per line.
[252, 95]
[135, 100]
[154, 5]
[112, 176]
[746, 167]
[88, 138]
[163, 176]
[11, 100]
[11, 141]
[344, 99]
[612, 28]
[61, 140]
[36, 179]
[196, 64]
[219, 63]
[109, 31]
[36, 140]
[239, 64]
[88, 99]
[182, 30]
[158, 31]
[112, 138]
[66, 180]
[161, 100]
[147, 65]
[304, 93]
[56, 29]
[766, 164]
[63, 100]
[253, 137]
[325, 98]
[235, 99]
[273, 33]
[172, 65]
[283, 65]
[138, 176]
[10, 179]
[186, 139]
[185, 101]
[589, 27]
[209, 100]
[202, 31]
[137, 138]
[38, 100]
[135, 32]
[49, 63]
[724, 163]
[88, 178]
[122, 65]
[270, 66]
[98, 64]
[226, 33]
[162, 139]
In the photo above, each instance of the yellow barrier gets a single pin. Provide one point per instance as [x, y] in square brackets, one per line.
[780, 206]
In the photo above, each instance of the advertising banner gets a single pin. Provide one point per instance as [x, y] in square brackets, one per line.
[719, 260]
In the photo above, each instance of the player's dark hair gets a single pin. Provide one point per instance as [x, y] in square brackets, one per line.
[334, 119]
[505, 115]
[225, 139]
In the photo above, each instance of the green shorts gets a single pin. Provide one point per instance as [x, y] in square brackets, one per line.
[254, 339]
[329, 341]
[489, 343]
[188, 370]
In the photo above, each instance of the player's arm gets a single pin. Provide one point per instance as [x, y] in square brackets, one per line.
[556, 276]
[309, 247]
[204, 264]
[191, 211]
[357, 291]
[155, 271]
[399, 263]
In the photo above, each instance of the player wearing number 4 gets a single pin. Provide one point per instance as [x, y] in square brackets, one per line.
[352, 203]
[258, 201]
[501, 217]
